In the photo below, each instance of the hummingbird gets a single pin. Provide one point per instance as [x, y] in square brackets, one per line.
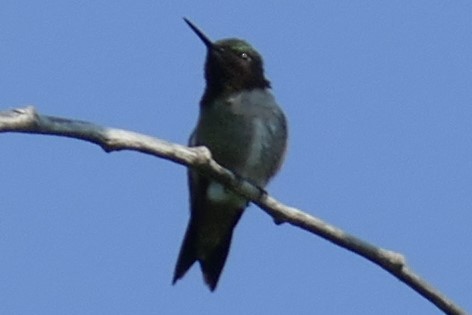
[246, 132]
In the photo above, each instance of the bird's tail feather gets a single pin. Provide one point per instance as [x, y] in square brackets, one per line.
[213, 264]
[187, 255]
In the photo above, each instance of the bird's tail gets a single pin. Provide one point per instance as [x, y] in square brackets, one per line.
[212, 256]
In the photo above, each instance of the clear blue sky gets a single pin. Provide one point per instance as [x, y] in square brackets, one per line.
[379, 99]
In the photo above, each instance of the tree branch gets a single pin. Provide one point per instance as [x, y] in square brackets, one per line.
[27, 120]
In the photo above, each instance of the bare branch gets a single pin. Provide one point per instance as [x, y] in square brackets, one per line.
[27, 120]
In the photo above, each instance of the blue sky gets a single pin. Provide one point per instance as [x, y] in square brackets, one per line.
[379, 100]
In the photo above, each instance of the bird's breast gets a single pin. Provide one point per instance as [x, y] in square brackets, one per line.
[241, 133]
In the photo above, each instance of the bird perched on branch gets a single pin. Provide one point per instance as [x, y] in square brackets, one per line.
[246, 132]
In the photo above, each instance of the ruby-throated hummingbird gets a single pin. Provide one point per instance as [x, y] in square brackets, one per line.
[246, 132]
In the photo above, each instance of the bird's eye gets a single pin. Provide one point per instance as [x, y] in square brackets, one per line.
[245, 56]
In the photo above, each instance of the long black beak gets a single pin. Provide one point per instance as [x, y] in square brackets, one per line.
[208, 43]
